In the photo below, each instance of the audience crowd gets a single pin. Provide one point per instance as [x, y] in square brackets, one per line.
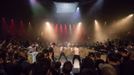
[15, 59]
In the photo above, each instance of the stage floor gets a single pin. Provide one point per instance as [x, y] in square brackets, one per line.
[68, 52]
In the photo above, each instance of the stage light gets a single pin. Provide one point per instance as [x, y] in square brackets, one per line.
[48, 32]
[37, 9]
[123, 22]
[96, 7]
[95, 21]
[122, 25]
[79, 24]
[76, 16]
[33, 2]
[131, 15]
[78, 9]
[62, 7]
[98, 33]
[70, 28]
[47, 23]
[79, 27]
[78, 31]
[48, 26]
[97, 26]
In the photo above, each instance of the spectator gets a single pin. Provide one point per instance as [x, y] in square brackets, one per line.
[127, 67]
[41, 66]
[88, 66]
[67, 68]
[112, 65]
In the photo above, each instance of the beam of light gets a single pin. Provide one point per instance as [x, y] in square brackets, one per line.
[33, 2]
[65, 28]
[61, 29]
[47, 23]
[12, 27]
[131, 15]
[77, 15]
[56, 28]
[79, 23]
[78, 9]
[97, 26]
[29, 27]
[37, 9]
[78, 32]
[70, 28]
[79, 26]
[74, 27]
[65, 32]
[4, 26]
[96, 7]
[121, 25]
[22, 28]
[48, 32]
[98, 33]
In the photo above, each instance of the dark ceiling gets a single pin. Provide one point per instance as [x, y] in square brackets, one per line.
[111, 8]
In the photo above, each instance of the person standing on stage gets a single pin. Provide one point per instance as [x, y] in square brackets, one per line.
[51, 51]
[62, 53]
[76, 54]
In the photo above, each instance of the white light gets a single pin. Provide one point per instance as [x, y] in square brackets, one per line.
[131, 15]
[95, 22]
[47, 23]
[62, 7]
[33, 1]
[77, 9]
[79, 23]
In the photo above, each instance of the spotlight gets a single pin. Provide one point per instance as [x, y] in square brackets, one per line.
[48, 26]
[131, 15]
[47, 23]
[97, 25]
[33, 1]
[79, 23]
[95, 21]
[49, 31]
[77, 9]
[65, 7]
[99, 35]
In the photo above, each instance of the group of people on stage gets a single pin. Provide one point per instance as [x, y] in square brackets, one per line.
[75, 51]
[50, 50]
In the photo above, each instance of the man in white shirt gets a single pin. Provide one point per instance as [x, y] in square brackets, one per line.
[76, 54]
[33, 56]
[31, 48]
[32, 51]
[62, 53]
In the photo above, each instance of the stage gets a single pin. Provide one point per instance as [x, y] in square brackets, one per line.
[69, 54]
